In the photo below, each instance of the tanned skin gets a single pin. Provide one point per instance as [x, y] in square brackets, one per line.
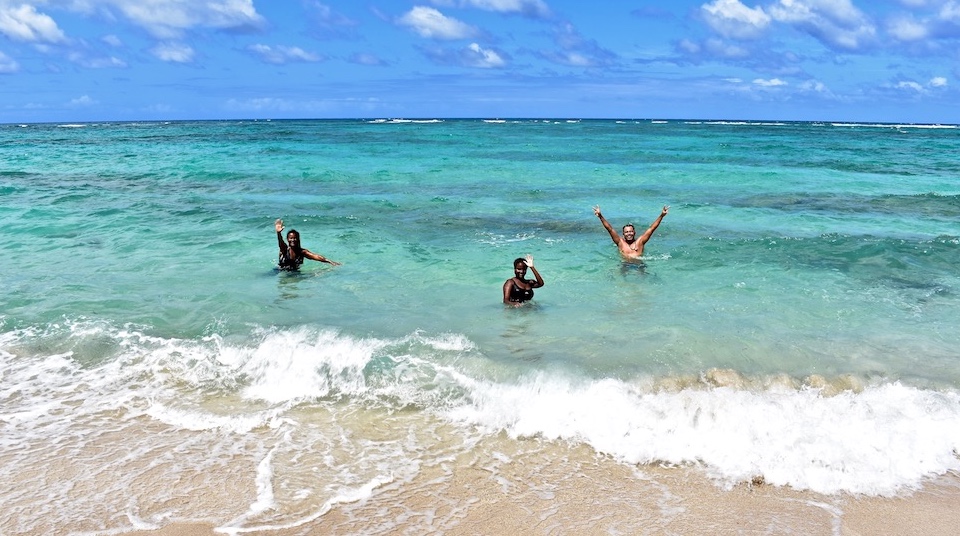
[630, 245]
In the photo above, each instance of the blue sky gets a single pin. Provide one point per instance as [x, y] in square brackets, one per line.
[835, 60]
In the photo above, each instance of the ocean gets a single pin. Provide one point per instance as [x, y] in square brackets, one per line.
[794, 321]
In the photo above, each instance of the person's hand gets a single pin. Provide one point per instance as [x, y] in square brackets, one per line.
[278, 225]
[665, 209]
[529, 261]
[596, 210]
[334, 263]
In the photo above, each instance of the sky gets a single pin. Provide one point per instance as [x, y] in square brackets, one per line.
[809, 60]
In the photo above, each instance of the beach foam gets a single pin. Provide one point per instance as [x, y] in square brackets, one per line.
[841, 435]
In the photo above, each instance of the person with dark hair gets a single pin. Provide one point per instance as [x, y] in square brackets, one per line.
[292, 253]
[517, 290]
[630, 245]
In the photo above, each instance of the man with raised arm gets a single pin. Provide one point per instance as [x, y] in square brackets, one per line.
[630, 245]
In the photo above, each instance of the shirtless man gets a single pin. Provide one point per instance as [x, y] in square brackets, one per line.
[629, 244]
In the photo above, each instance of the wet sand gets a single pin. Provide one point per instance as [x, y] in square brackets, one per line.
[585, 494]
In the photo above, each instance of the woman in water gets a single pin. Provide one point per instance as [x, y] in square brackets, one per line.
[518, 290]
[292, 254]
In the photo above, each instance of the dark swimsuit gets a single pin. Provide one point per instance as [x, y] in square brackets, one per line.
[286, 263]
[519, 295]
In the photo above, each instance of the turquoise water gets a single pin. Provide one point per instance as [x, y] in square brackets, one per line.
[811, 267]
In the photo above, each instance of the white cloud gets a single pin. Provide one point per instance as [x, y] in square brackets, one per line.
[476, 56]
[773, 82]
[906, 28]
[174, 52]
[168, 19]
[577, 51]
[950, 12]
[911, 86]
[473, 55]
[719, 49]
[164, 19]
[819, 89]
[282, 54]
[836, 23]
[112, 40]
[23, 23]
[575, 59]
[95, 63]
[710, 49]
[432, 24]
[732, 19]
[531, 8]
[82, 101]
[937, 81]
[7, 64]
[815, 86]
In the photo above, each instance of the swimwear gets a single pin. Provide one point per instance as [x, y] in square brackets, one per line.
[518, 294]
[286, 263]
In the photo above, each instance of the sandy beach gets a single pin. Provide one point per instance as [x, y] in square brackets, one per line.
[584, 494]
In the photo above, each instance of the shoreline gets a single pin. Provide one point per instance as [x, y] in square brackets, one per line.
[584, 493]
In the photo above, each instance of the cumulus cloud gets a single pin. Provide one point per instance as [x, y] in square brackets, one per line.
[164, 19]
[577, 51]
[112, 40]
[732, 19]
[169, 19]
[815, 86]
[910, 85]
[430, 23]
[720, 49]
[96, 63]
[529, 8]
[710, 49]
[173, 52]
[282, 54]
[773, 82]
[8, 65]
[476, 56]
[931, 22]
[835, 23]
[906, 28]
[472, 55]
[950, 11]
[81, 102]
[22, 22]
